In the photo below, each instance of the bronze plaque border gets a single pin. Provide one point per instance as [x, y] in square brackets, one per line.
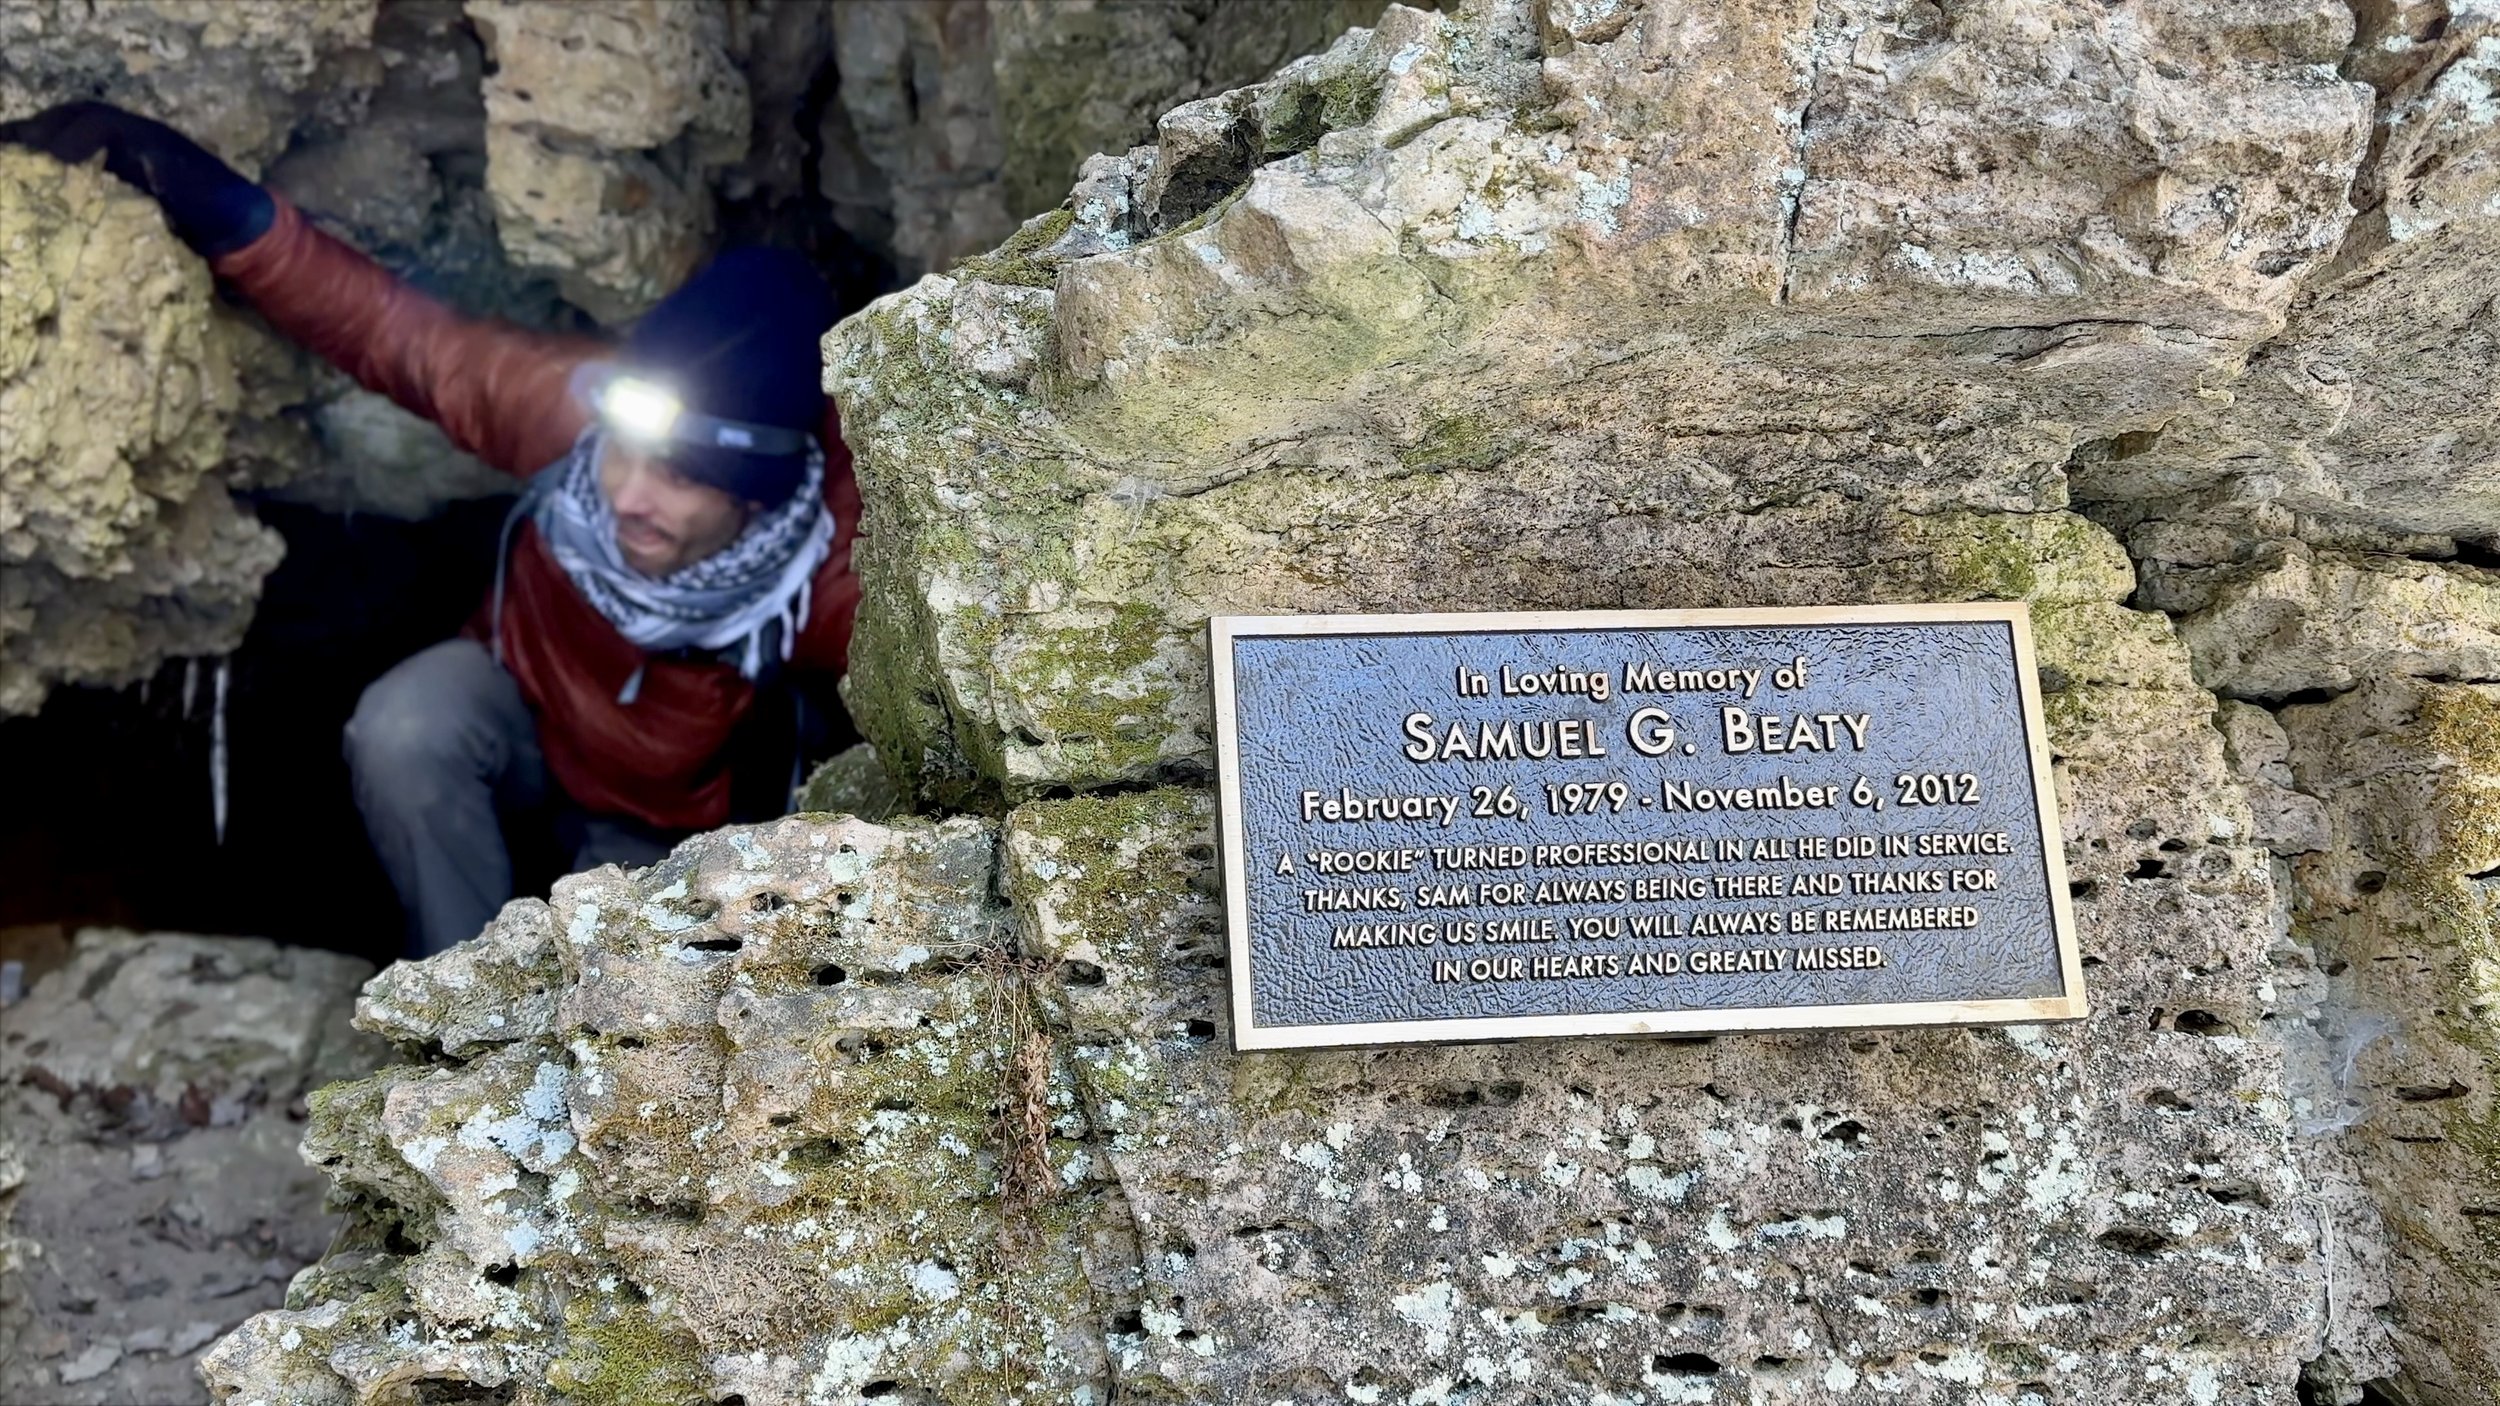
[1222, 630]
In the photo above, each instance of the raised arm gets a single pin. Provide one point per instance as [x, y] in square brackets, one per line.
[498, 391]
[501, 393]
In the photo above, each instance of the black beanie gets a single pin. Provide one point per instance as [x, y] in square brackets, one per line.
[738, 341]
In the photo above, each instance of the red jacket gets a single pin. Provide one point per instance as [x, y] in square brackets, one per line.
[502, 394]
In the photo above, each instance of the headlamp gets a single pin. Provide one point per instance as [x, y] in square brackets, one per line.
[648, 412]
[639, 409]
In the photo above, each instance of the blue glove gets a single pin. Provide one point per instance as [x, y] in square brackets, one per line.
[207, 202]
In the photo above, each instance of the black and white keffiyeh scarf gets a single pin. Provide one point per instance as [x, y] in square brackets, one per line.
[750, 597]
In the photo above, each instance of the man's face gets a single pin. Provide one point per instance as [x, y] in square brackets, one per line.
[664, 520]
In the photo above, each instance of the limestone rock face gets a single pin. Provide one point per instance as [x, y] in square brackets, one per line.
[616, 131]
[2375, 405]
[853, 782]
[149, 1104]
[1564, 306]
[236, 74]
[955, 121]
[603, 123]
[911, 155]
[804, 1115]
[2304, 619]
[2289, 821]
[118, 543]
[405, 178]
[1076, 79]
[2406, 898]
[133, 403]
[729, 1126]
[1467, 314]
[1826, 1218]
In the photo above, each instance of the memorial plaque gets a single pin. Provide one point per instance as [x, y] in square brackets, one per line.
[1469, 827]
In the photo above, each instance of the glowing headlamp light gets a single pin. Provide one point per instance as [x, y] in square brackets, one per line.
[648, 412]
[639, 409]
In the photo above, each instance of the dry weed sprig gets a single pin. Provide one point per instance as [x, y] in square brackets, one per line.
[1020, 1123]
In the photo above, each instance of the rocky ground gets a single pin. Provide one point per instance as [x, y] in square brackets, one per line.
[152, 1091]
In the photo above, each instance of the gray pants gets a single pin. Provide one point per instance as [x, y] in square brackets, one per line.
[443, 751]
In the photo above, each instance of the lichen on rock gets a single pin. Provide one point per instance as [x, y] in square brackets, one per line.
[707, 1065]
[1823, 1217]
[852, 782]
[1503, 317]
[724, 1127]
[1563, 306]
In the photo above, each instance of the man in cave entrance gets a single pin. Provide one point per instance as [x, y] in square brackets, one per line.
[682, 538]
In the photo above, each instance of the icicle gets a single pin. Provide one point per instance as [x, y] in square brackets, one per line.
[217, 753]
[190, 683]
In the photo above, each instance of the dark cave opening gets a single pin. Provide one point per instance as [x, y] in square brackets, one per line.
[125, 831]
[126, 836]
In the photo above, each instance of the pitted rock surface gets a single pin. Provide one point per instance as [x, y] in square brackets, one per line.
[238, 74]
[1559, 305]
[723, 1127]
[1923, 1216]
[119, 545]
[604, 124]
[2404, 899]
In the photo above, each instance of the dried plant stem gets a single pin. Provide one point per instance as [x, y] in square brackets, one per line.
[1020, 1125]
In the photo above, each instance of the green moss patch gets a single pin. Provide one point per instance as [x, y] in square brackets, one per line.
[1013, 262]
